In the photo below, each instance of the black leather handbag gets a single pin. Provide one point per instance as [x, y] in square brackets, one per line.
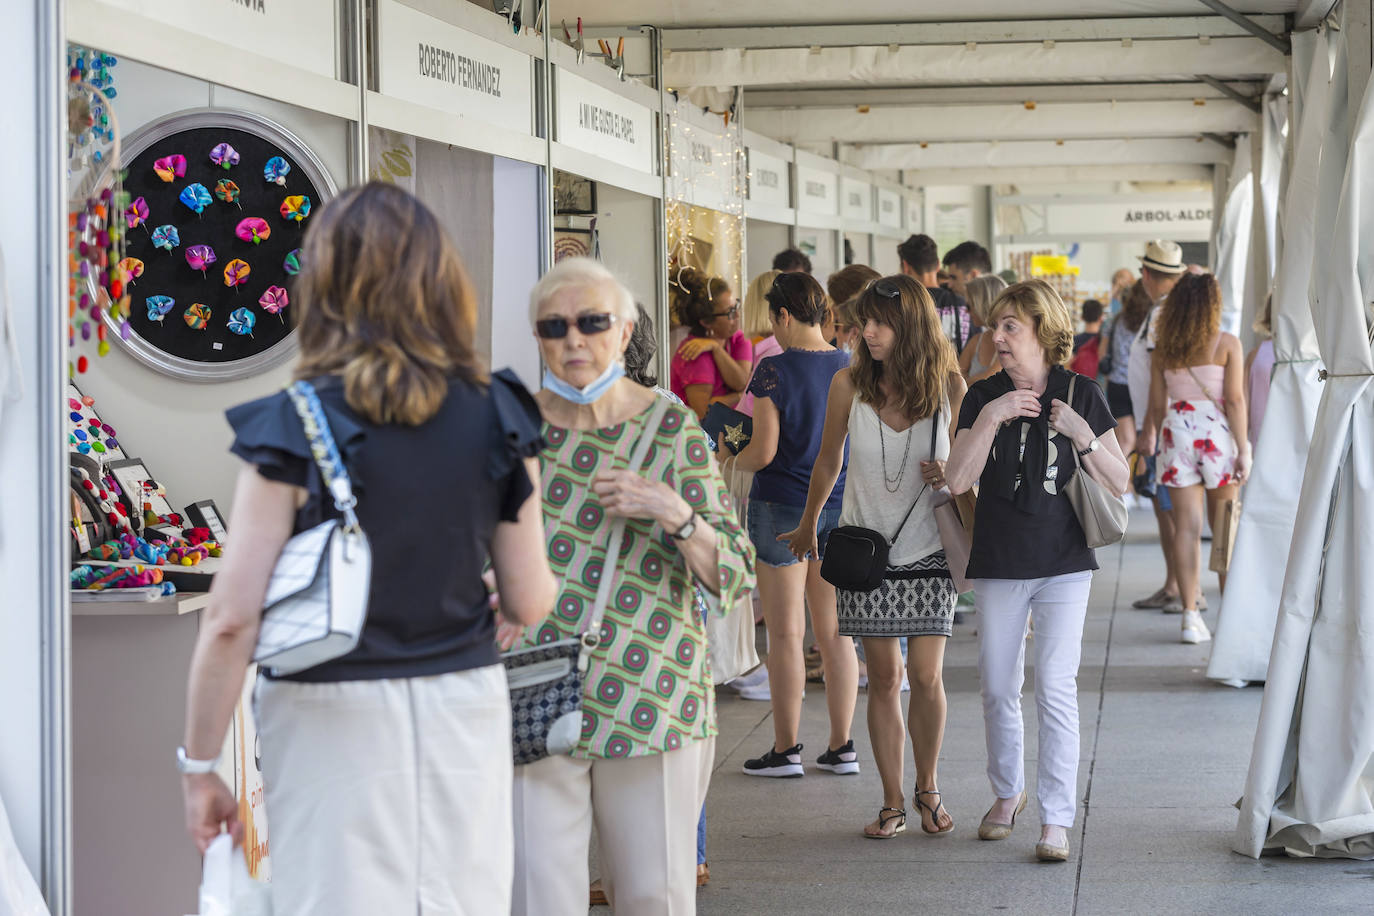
[856, 557]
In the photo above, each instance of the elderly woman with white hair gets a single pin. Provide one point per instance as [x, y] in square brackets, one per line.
[644, 759]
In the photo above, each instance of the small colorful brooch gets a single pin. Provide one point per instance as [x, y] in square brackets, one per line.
[274, 301]
[253, 229]
[166, 237]
[241, 322]
[200, 257]
[159, 306]
[228, 192]
[292, 263]
[295, 208]
[170, 168]
[276, 170]
[224, 156]
[136, 214]
[196, 196]
[197, 317]
[236, 272]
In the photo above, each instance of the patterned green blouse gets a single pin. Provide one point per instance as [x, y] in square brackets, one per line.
[648, 686]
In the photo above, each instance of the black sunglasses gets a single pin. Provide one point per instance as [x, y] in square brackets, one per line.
[887, 289]
[732, 311]
[557, 328]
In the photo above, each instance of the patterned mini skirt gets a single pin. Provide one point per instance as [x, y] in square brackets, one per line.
[915, 600]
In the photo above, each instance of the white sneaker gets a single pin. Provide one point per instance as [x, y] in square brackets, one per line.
[758, 691]
[906, 684]
[1194, 630]
[1236, 682]
[752, 679]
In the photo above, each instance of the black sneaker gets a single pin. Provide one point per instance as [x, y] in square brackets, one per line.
[775, 764]
[841, 760]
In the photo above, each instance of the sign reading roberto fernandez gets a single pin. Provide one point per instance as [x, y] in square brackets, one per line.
[447, 67]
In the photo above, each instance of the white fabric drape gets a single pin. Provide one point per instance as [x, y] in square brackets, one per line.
[1245, 629]
[1232, 239]
[1310, 789]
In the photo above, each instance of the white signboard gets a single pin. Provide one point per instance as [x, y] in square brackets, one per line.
[915, 214]
[1189, 219]
[703, 166]
[817, 191]
[597, 121]
[890, 209]
[768, 180]
[856, 200]
[434, 63]
[296, 32]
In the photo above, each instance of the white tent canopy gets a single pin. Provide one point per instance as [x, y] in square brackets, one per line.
[1245, 628]
[1310, 789]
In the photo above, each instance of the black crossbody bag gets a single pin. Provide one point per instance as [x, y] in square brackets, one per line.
[856, 557]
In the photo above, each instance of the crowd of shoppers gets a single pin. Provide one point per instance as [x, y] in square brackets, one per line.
[395, 759]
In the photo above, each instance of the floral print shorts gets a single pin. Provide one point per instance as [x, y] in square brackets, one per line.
[1196, 446]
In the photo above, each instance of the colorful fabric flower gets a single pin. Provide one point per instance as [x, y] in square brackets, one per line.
[276, 170]
[197, 317]
[166, 237]
[295, 208]
[241, 322]
[170, 168]
[227, 191]
[224, 156]
[200, 256]
[274, 300]
[136, 214]
[236, 272]
[292, 262]
[158, 307]
[253, 229]
[196, 196]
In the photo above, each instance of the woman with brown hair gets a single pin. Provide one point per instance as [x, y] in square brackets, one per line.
[1017, 434]
[715, 361]
[372, 757]
[894, 409]
[1197, 408]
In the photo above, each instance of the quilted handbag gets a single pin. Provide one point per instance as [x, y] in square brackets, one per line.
[316, 603]
[546, 681]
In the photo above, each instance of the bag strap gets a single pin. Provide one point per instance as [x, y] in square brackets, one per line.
[934, 427]
[1077, 461]
[325, 450]
[591, 633]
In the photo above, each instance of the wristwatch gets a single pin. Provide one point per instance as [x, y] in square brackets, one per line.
[1092, 447]
[686, 530]
[189, 765]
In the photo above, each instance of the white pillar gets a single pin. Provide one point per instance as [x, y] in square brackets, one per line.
[34, 621]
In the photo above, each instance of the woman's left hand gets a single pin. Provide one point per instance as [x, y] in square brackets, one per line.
[625, 494]
[933, 473]
[1066, 421]
[209, 803]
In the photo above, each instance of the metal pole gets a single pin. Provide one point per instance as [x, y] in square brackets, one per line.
[1230, 93]
[1254, 28]
[54, 600]
[359, 61]
[546, 125]
[661, 222]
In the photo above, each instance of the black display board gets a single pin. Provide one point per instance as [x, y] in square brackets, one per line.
[168, 273]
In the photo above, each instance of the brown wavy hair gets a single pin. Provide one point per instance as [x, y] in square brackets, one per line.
[1135, 306]
[1189, 321]
[918, 370]
[697, 295]
[1036, 303]
[384, 301]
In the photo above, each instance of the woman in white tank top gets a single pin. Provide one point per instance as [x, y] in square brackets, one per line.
[895, 406]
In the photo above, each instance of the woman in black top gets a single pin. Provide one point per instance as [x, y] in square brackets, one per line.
[1029, 553]
[394, 759]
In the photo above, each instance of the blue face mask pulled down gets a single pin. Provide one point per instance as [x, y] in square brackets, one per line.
[593, 392]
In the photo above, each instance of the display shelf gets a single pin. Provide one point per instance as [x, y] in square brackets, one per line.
[171, 606]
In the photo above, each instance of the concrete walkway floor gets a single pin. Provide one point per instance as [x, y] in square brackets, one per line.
[1165, 754]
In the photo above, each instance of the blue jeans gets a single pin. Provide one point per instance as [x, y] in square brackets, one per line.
[701, 837]
[768, 520]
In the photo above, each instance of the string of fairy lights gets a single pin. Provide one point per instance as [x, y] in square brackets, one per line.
[706, 158]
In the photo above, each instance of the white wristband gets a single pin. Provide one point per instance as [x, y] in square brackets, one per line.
[189, 765]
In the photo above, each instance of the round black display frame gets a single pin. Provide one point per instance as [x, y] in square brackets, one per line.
[215, 353]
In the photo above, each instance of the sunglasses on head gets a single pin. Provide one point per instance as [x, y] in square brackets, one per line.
[887, 289]
[557, 328]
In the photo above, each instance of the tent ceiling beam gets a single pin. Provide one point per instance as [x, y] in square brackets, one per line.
[1060, 174]
[958, 33]
[1228, 142]
[1036, 153]
[1260, 31]
[1034, 62]
[1311, 12]
[1248, 101]
[1055, 122]
[782, 97]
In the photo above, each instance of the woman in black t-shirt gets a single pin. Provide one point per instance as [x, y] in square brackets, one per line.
[1029, 554]
[388, 770]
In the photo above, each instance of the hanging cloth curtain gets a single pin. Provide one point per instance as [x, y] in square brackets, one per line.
[1310, 789]
[1245, 628]
[1232, 242]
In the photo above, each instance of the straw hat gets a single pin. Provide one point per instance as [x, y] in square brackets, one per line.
[1163, 256]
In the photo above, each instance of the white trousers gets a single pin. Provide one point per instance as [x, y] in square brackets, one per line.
[646, 811]
[1059, 605]
[389, 796]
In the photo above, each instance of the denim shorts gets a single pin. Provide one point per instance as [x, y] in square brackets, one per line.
[768, 520]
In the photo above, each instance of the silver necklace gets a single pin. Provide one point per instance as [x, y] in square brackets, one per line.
[892, 486]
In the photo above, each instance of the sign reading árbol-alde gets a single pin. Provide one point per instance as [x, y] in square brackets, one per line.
[434, 63]
[1164, 215]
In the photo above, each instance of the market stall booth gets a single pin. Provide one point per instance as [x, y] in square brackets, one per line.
[819, 232]
[706, 193]
[770, 218]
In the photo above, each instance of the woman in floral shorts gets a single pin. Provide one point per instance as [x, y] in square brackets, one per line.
[1197, 407]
